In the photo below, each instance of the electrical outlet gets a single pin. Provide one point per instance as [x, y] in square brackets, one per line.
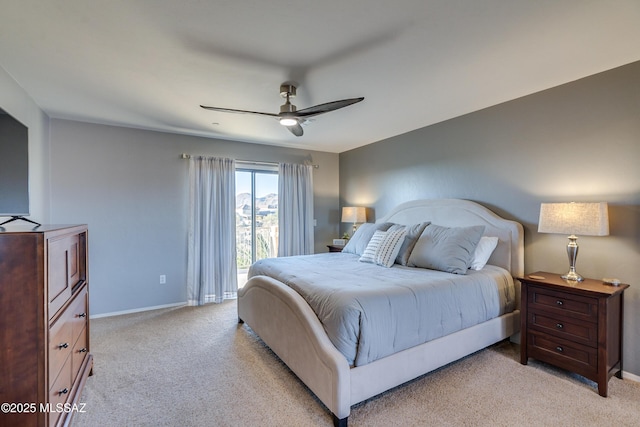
[163, 279]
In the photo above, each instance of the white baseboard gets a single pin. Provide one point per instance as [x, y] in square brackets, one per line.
[136, 310]
[629, 376]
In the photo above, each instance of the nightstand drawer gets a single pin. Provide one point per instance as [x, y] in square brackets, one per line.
[572, 356]
[563, 327]
[563, 303]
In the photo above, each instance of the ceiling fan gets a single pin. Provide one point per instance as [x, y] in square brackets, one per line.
[289, 116]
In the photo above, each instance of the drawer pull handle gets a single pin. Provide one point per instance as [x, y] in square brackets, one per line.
[63, 345]
[560, 349]
[82, 315]
[559, 325]
[558, 302]
[82, 350]
[64, 391]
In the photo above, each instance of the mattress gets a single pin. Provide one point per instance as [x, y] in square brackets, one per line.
[370, 312]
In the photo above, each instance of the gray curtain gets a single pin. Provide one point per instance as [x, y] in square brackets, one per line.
[211, 272]
[295, 209]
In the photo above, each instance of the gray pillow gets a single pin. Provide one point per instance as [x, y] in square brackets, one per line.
[360, 239]
[446, 249]
[413, 233]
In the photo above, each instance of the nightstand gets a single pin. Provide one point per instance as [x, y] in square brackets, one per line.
[575, 326]
[335, 248]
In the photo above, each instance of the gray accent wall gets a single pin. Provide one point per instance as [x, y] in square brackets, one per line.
[131, 187]
[576, 142]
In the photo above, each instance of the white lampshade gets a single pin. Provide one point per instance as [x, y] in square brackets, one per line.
[354, 214]
[584, 219]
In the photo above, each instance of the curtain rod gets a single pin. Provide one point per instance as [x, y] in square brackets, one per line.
[251, 162]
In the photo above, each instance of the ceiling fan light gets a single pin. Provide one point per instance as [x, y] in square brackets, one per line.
[288, 121]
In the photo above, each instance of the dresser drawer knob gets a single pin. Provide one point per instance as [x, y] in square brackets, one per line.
[64, 391]
[63, 345]
[82, 315]
[82, 350]
[559, 325]
[560, 349]
[558, 302]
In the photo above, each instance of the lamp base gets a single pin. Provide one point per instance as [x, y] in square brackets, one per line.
[572, 252]
[573, 276]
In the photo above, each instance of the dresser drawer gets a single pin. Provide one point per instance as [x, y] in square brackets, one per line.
[562, 303]
[60, 391]
[78, 353]
[60, 344]
[572, 356]
[78, 314]
[564, 327]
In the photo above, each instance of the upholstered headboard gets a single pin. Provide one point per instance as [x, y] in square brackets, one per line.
[509, 254]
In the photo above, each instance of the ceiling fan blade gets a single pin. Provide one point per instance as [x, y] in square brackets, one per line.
[231, 110]
[326, 107]
[288, 116]
[295, 129]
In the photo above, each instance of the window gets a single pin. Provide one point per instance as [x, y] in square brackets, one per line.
[256, 216]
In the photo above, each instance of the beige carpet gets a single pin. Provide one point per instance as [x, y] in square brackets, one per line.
[197, 367]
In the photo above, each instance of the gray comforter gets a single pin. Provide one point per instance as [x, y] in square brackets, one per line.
[370, 312]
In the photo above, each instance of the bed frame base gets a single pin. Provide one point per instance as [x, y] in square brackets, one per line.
[297, 337]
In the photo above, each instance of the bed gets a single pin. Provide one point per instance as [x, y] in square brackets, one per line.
[270, 303]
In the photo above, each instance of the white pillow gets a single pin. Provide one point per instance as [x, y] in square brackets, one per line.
[483, 252]
[369, 254]
[383, 247]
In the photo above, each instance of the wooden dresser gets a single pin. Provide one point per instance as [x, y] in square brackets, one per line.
[44, 324]
[576, 326]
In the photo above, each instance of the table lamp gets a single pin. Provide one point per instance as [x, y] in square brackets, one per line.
[586, 219]
[355, 215]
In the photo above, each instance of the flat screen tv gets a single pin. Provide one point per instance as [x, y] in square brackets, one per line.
[14, 168]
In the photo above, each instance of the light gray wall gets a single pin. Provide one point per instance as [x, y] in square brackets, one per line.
[576, 142]
[15, 101]
[131, 188]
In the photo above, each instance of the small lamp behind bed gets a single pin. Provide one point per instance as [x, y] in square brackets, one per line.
[354, 214]
[586, 219]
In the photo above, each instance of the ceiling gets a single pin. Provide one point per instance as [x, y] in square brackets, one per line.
[150, 63]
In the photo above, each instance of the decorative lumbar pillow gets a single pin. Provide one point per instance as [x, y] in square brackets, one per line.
[389, 247]
[383, 247]
[369, 254]
[360, 239]
[413, 233]
[446, 249]
[483, 252]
